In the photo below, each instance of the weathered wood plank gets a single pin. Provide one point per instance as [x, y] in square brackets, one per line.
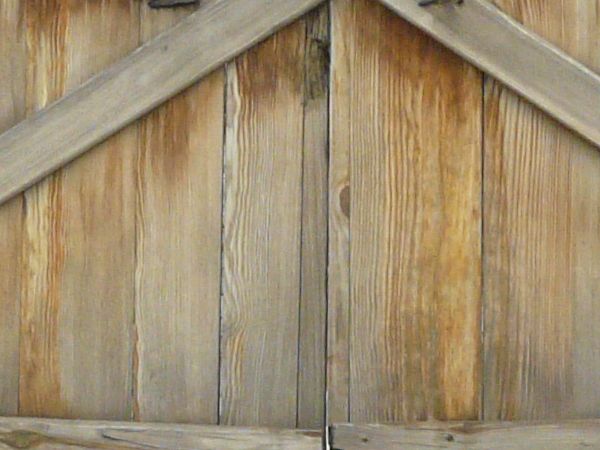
[43, 434]
[542, 242]
[135, 85]
[471, 436]
[78, 254]
[179, 248]
[12, 110]
[338, 270]
[313, 295]
[498, 45]
[12, 70]
[262, 220]
[413, 130]
[11, 227]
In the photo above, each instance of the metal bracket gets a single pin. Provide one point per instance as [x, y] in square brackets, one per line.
[439, 2]
[170, 3]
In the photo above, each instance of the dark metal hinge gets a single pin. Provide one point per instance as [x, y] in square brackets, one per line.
[170, 3]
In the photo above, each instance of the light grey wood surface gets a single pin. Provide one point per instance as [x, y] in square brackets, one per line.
[313, 283]
[501, 436]
[12, 110]
[500, 46]
[178, 261]
[42, 434]
[262, 212]
[542, 240]
[135, 85]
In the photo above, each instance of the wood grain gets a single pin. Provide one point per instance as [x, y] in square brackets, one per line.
[343, 38]
[542, 241]
[471, 436]
[179, 248]
[262, 221]
[78, 254]
[414, 142]
[12, 110]
[498, 45]
[135, 85]
[313, 295]
[46, 434]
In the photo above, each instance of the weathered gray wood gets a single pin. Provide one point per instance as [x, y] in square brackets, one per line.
[500, 436]
[179, 248]
[262, 233]
[42, 434]
[541, 240]
[313, 282]
[13, 54]
[498, 45]
[220, 30]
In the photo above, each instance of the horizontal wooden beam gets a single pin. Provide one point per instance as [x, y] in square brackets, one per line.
[43, 434]
[472, 436]
[501, 47]
[219, 31]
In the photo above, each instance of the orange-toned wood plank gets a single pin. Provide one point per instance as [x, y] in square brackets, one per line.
[413, 137]
[262, 230]
[542, 240]
[12, 110]
[78, 255]
[179, 248]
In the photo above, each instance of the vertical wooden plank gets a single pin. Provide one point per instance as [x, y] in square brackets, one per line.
[78, 255]
[179, 248]
[338, 269]
[12, 109]
[13, 54]
[262, 218]
[542, 240]
[414, 137]
[10, 252]
[585, 229]
[313, 295]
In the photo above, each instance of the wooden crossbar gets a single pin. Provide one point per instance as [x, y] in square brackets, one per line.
[462, 436]
[42, 434]
[45, 434]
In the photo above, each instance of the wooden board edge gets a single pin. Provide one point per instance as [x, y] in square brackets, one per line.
[77, 434]
[473, 435]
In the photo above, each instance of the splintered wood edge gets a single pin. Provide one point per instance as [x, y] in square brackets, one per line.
[32, 433]
[222, 29]
[474, 436]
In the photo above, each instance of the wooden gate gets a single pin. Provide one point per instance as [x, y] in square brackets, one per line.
[341, 221]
